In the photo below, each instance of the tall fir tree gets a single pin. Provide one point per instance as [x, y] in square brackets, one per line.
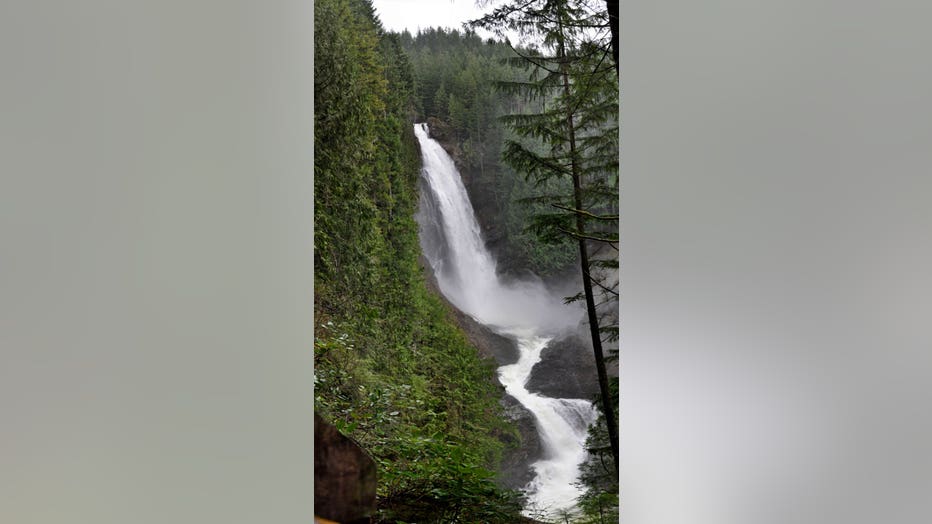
[572, 77]
[391, 370]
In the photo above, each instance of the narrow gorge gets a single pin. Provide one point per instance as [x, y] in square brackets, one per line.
[525, 319]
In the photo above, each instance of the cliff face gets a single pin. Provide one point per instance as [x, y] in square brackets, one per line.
[566, 369]
[481, 195]
[443, 133]
[514, 472]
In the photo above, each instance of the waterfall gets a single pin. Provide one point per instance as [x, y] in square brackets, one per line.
[524, 311]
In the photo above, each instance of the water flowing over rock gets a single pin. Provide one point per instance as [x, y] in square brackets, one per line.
[568, 357]
[515, 471]
[523, 311]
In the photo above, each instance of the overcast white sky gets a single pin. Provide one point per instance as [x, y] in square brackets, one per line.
[397, 15]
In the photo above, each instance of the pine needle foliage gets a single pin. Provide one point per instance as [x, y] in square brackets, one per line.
[574, 135]
[456, 73]
[391, 369]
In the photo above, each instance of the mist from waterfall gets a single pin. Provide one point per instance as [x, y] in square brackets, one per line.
[525, 311]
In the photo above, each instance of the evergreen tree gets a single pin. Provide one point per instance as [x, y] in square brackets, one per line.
[468, 67]
[442, 101]
[390, 368]
[599, 502]
[578, 125]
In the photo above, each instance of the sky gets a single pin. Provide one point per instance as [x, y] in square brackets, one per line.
[398, 15]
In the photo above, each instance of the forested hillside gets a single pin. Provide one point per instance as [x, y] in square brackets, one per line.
[457, 74]
[391, 370]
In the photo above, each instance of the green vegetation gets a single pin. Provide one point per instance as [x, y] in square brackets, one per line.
[599, 503]
[391, 370]
[575, 81]
[456, 74]
[534, 131]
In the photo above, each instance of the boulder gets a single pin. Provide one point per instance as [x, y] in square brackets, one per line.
[515, 471]
[566, 369]
[344, 477]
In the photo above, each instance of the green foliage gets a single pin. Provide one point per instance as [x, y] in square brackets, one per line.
[567, 148]
[391, 370]
[442, 483]
[599, 502]
[573, 135]
[456, 74]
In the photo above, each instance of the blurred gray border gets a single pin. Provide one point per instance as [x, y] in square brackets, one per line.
[776, 262]
[156, 262]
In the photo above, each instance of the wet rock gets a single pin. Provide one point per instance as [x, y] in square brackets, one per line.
[482, 196]
[566, 370]
[515, 470]
[489, 344]
[443, 133]
[344, 476]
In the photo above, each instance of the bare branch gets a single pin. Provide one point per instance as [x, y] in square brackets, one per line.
[574, 234]
[586, 213]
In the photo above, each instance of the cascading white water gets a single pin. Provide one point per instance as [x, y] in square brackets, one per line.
[562, 424]
[464, 268]
[523, 311]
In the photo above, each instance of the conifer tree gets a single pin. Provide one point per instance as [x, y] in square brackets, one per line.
[574, 136]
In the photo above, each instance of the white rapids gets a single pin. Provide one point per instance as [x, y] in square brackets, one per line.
[523, 311]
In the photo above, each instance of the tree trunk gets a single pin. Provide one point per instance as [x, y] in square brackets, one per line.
[613, 13]
[607, 408]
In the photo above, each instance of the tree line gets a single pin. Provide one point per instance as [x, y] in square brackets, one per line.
[573, 74]
[456, 74]
[391, 369]
[536, 126]
[544, 120]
